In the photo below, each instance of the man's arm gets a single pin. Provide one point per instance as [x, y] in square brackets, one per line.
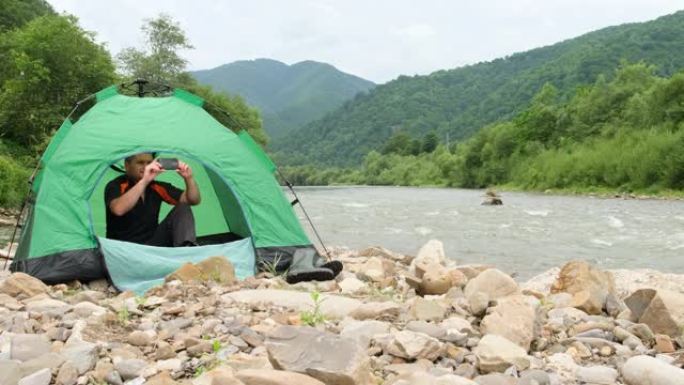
[191, 195]
[123, 204]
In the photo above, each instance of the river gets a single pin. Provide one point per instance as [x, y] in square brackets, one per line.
[529, 234]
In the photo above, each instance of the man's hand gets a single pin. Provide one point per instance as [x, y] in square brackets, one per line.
[151, 171]
[184, 170]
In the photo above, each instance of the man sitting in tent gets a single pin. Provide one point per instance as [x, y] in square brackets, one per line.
[133, 201]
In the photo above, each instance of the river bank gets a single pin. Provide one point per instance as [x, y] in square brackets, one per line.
[389, 318]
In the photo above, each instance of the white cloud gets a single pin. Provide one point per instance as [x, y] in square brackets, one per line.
[378, 40]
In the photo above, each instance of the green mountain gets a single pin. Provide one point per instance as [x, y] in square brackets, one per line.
[288, 96]
[463, 100]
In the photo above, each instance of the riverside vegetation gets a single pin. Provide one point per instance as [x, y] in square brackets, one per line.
[387, 318]
[622, 133]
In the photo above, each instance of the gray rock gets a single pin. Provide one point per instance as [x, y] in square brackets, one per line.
[11, 372]
[50, 361]
[275, 377]
[642, 331]
[424, 378]
[387, 311]
[22, 285]
[492, 284]
[514, 318]
[646, 370]
[431, 329]
[596, 333]
[68, 375]
[412, 345]
[496, 379]
[661, 310]
[81, 355]
[352, 285]
[86, 309]
[333, 306]
[465, 370]
[114, 378]
[130, 368]
[534, 377]
[496, 354]
[28, 346]
[363, 331]
[332, 359]
[41, 377]
[426, 310]
[175, 325]
[49, 307]
[602, 375]
[142, 338]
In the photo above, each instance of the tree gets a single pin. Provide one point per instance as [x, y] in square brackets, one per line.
[50, 63]
[16, 13]
[430, 142]
[159, 62]
[398, 143]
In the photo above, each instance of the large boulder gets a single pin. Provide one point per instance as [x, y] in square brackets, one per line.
[661, 310]
[496, 354]
[514, 318]
[489, 285]
[332, 306]
[589, 286]
[331, 359]
[20, 284]
[646, 370]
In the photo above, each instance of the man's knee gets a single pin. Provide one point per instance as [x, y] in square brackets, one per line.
[183, 208]
[181, 211]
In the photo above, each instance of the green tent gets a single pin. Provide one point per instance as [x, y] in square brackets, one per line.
[242, 203]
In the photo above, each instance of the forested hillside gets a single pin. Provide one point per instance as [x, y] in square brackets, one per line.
[461, 101]
[624, 134]
[288, 96]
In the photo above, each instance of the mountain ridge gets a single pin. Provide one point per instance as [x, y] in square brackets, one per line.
[288, 96]
[462, 100]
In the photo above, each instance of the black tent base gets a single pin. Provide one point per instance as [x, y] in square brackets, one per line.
[84, 265]
[87, 265]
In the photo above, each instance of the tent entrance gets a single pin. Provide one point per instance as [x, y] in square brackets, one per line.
[219, 218]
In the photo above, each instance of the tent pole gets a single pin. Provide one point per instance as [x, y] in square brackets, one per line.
[291, 187]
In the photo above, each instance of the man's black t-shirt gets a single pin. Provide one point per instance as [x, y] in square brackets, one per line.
[138, 225]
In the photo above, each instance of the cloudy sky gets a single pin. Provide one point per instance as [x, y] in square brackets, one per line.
[375, 39]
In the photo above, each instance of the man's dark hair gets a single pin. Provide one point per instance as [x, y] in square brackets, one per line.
[128, 159]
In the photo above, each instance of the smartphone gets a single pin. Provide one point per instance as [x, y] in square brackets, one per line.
[168, 163]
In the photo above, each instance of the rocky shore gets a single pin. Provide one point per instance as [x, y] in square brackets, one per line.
[387, 319]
